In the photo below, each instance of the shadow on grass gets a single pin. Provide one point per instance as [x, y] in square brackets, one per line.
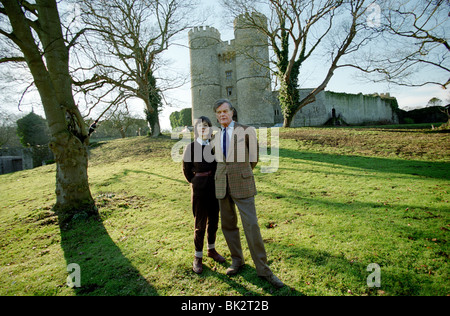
[104, 270]
[335, 273]
[381, 233]
[118, 177]
[248, 273]
[430, 169]
[332, 273]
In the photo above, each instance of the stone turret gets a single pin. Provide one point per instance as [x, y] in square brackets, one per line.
[252, 71]
[205, 80]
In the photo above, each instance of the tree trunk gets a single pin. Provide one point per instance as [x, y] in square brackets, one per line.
[69, 137]
[73, 196]
[152, 120]
[288, 120]
[156, 129]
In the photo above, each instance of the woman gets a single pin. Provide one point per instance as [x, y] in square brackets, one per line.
[199, 168]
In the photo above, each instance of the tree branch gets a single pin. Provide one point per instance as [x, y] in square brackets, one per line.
[18, 59]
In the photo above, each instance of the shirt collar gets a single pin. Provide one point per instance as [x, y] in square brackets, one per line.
[229, 126]
[201, 141]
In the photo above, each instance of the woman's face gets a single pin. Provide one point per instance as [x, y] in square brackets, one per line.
[203, 130]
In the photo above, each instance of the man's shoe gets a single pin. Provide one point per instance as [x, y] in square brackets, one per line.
[212, 253]
[197, 266]
[272, 279]
[233, 269]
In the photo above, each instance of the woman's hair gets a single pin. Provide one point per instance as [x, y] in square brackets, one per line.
[199, 121]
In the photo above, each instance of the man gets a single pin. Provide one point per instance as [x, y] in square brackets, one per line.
[236, 148]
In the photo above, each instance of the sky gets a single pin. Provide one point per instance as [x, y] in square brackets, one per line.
[344, 80]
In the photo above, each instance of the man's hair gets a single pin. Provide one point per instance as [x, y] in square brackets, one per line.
[222, 101]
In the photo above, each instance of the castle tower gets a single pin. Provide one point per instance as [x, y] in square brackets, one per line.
[253, 83]
[237, 70]
[205, 80]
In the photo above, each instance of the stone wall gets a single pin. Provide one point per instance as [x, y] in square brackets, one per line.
[19, 158]
[10, 164]
[353, 109]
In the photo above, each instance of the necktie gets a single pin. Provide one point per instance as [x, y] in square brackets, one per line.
[225, 142]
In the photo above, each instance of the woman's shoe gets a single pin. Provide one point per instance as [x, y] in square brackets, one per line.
[197, 266]
[212, 253]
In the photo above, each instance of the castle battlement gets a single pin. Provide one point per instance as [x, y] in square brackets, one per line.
[204, 31]
[241, 21]
[227, 45]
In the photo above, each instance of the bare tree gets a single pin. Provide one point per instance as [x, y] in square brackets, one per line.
[299, 31]
[415, 35]
[124, 40]
[34, 30]
[121, 120]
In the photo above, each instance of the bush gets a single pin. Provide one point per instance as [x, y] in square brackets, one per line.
[182, 118]
[33, 130]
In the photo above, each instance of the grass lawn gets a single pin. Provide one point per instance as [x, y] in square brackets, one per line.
[342, 198]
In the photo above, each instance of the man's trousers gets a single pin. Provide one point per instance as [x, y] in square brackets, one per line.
[251, 229]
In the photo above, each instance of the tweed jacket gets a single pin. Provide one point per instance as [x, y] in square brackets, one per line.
[237, 167]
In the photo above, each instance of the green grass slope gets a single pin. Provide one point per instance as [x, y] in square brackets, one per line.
[342, 198]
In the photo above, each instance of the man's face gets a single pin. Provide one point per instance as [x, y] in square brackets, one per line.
[224, 114]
